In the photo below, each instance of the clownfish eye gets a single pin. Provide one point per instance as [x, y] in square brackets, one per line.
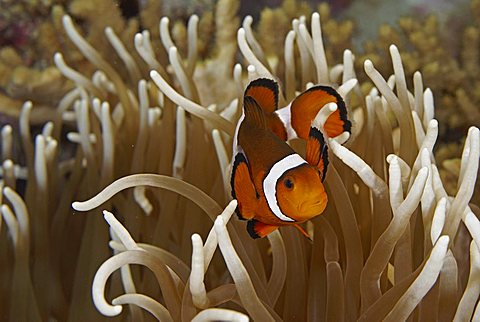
[288, 183]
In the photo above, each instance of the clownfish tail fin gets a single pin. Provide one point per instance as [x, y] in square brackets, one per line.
[253, 113]
[257, 229]
[317, 151]
[265, 92]
[305, 107]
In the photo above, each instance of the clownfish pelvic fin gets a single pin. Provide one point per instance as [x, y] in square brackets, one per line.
[302, 231]
[258, 229]
[243, 189]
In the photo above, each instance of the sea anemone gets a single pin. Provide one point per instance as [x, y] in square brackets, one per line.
[392, 244]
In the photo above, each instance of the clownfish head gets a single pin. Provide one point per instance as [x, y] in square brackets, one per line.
[300, 193]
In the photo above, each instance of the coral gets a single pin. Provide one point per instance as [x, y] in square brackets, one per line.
[273, 19]
[32, 32]
[425, 46]
[338, 34]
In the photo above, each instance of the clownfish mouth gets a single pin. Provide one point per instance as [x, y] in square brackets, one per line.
[309, 208]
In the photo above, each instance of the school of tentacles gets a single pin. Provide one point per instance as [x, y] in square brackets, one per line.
[391, 245]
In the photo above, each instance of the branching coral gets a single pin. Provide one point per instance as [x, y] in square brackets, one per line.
[391, 244]
[36, 33]
[434, 49]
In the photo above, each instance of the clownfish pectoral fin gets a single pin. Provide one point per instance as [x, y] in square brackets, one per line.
[305, 107]
[265, 92]
[317, 151]
[258, 229]
[243, 189]
[303, 231]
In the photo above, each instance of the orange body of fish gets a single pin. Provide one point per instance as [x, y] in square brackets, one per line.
[274, 185]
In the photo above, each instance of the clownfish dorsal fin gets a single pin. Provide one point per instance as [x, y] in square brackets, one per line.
[317, 151]
[253, 113]
[265, 92]
[305, 107]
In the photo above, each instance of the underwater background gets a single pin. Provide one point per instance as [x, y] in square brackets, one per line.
[80, 109]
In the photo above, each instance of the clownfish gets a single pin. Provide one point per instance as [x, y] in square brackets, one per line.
[274, 185]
